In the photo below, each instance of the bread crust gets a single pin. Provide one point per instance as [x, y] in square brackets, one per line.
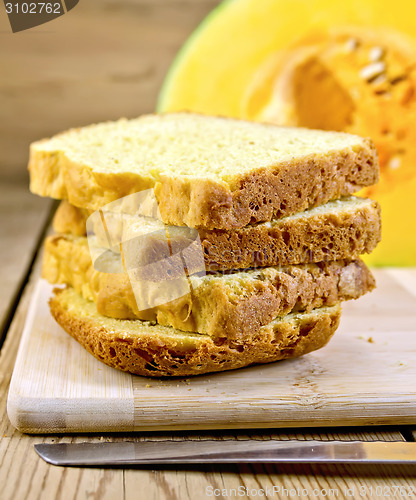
[156, 351]
[235, 306]
[259, 195]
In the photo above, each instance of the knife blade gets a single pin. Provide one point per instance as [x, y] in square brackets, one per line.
[232, 451]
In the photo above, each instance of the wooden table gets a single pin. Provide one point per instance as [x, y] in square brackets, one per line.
[24, 219]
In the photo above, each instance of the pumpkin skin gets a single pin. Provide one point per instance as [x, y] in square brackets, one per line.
[234, 61]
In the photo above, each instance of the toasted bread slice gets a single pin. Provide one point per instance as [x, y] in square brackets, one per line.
[342, 229]
[205, 171]
[144, 348]
[234, 305]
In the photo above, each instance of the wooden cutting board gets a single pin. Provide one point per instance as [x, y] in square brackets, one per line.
[365, 375]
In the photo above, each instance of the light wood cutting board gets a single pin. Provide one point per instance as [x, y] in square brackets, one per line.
[365, 375]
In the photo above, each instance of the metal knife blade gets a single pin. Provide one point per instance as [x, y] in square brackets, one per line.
[207, 451]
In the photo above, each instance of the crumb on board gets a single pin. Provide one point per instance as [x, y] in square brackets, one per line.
[370, 340]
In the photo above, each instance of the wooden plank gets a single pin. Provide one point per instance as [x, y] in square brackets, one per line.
[290, 481]
[101, 61]
[364, 376]
[110, 404]
[22, 220]
[22, 471]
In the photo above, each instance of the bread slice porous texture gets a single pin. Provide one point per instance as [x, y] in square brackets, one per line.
[144, 348]
[340, 229]
[235, 304]
[209, 172]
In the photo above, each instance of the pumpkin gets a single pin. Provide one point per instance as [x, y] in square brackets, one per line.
[326, 64]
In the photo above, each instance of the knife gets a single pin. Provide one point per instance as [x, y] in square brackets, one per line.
[207, 451]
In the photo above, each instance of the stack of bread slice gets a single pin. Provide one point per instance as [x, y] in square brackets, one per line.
[278, 229]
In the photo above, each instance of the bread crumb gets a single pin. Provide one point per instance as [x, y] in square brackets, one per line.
[370, 340]
[148, 385]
